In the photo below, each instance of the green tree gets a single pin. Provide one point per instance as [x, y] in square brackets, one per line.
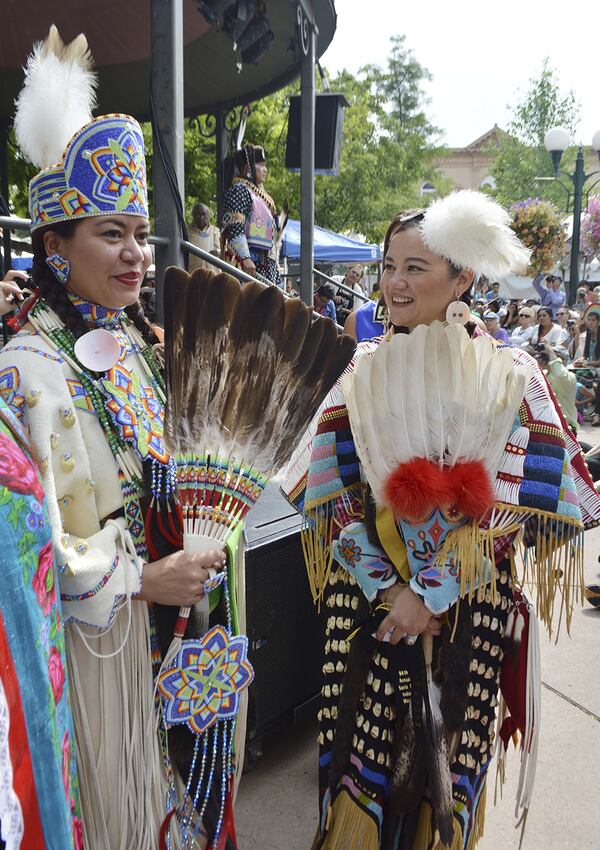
[521, 155]
[20, 173]
[387, 150]
[388, 146]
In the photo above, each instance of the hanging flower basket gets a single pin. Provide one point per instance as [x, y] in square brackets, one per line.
[538, 225]
[590, 229]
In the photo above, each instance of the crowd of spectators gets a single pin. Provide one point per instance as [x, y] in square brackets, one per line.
[564, 339]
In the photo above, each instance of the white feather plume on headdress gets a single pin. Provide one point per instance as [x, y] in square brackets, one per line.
[473, 232]
[57, 98]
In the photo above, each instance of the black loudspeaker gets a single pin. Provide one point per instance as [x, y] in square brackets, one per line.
[285, 633]
[329, 126]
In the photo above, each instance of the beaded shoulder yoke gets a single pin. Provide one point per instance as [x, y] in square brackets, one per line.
[130, 416]
[264, 196]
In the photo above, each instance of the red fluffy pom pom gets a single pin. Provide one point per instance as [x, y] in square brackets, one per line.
[471, 488]
[414, 488]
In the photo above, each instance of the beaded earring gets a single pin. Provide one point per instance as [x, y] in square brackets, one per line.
[60, 267]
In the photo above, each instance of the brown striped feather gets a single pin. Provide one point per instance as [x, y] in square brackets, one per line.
[246, 368]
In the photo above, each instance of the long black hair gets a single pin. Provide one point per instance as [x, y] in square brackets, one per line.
[588, 353]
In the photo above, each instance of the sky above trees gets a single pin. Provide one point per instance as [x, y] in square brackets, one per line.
[479, 55]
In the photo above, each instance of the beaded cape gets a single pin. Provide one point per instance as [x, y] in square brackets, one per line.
[545, 497]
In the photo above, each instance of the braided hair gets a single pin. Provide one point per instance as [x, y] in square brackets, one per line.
[55, 294]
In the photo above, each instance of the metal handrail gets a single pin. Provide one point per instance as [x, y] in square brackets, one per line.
[14, 223]
[240, 274]
[25, 224]
[233, 270]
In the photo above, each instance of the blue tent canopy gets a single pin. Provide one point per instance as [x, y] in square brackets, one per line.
[329, 247]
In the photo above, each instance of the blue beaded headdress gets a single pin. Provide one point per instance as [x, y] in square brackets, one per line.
[90, 166]
[103, 171]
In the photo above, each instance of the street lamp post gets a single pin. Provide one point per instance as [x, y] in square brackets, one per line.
[556, 142]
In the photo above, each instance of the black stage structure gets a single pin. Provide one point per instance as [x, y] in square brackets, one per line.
[163, 60]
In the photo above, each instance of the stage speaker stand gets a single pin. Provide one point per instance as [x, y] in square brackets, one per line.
[285, 633]
[329, 126]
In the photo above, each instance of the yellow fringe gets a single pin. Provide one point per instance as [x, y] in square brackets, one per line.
[316, 536]
[426, 840]
[473, 549]
[553, 566]
[479, 820]
[348, 827]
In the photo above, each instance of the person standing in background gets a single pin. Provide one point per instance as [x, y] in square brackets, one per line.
[551, 295]
[250, 221]
[204, 235]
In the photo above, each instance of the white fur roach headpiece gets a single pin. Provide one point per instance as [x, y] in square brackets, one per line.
[473, 232]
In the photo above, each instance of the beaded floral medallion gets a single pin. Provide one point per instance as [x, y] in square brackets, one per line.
[136, 413]
[9, 384]
[206, 681]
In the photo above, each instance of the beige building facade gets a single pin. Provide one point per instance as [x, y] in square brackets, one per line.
[469, 167]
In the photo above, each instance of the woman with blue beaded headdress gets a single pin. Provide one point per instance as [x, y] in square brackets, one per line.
[82, 376]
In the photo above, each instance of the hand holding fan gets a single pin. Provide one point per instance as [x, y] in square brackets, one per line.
[246, 370]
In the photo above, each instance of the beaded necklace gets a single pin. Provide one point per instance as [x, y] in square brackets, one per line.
[127, 459]
[258, 190]
[96, 314]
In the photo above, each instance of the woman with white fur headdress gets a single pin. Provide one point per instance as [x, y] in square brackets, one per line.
[438, 464]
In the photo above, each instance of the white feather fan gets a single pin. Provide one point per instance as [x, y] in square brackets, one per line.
[473, 232]
[434, 394]
[57, 98]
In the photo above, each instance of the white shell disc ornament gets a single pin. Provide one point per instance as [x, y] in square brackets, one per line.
[458, 313]
[98, 350]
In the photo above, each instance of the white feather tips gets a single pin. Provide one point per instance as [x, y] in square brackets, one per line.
[57, 98]
[473, 232]
[433, 394]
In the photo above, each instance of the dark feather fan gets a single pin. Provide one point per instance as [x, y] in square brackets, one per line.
[246, 370]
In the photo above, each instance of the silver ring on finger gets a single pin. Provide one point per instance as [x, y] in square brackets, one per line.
[410, 640]
[211, 572]
[388, 635]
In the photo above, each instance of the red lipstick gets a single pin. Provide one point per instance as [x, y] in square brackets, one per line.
[129, 279]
